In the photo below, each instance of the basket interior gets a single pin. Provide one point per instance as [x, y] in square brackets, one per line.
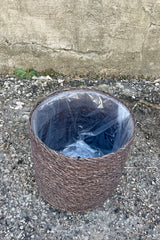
[82, 123]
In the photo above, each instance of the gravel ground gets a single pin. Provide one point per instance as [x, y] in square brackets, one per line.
[133, 211]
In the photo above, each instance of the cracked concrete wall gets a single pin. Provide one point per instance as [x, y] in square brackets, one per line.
[81, 36]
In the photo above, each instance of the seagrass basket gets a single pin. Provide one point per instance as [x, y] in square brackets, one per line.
[84, 181]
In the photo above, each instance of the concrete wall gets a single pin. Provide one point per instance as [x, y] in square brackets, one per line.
[80, 36]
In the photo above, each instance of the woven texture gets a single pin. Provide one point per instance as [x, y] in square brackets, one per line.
[72, 184]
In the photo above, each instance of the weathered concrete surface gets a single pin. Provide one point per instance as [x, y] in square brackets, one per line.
[81, 36]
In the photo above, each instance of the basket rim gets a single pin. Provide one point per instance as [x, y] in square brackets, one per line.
[56, 92]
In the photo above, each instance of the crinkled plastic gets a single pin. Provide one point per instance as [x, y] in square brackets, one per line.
[82, 123]
[81, 149]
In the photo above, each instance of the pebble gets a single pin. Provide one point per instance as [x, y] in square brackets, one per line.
[42, 78]
[157, 80]
[119, 85]
[19, 105]
[60, 80]
[26, 117]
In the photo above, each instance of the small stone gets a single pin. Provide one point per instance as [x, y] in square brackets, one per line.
[157, 80]
[60, 80]
[103, 87]
[48, 78]
[44, 84]
[34, 77]
[119, 85]
[25, 117]
[42, 78]
[34, 217]
[86, 237]
[19, 105]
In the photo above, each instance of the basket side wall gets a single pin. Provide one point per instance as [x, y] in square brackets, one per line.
[72, 185]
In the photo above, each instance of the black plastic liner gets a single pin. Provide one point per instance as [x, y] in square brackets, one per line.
[83, 123]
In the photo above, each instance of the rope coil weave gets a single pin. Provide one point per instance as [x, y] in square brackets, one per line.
[76, 184]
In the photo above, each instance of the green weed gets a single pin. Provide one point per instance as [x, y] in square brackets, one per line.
[25, 74]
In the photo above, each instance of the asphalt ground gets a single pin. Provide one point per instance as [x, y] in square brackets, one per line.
[133, 211]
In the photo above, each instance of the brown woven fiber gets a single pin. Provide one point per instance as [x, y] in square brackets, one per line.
[75, 184]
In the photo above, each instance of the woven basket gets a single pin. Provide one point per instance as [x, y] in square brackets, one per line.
[74, 184]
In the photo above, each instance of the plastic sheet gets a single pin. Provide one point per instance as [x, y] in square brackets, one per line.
[81, 149]
[82, 123]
